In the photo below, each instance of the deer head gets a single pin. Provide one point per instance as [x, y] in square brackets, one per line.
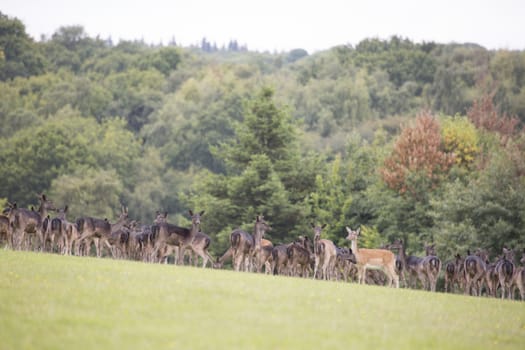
[352, 235]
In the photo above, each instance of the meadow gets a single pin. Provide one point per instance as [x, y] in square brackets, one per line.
[59, 302]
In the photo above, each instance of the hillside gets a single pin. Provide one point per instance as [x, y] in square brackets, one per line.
[56, 302]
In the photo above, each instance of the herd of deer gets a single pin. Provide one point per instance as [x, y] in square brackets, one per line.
[29, 229]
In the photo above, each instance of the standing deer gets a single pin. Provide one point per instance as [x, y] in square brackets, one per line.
[26, 224]
[430, 267]
[165, 239]
[246, 247]
[54, 230]
[344, 263]
[373, 258]
[99, 230]
[300, 257]
[203, 242]
[325, 254]
[519, 278]
[505, 270]
[280, 259]
[401, 264]
[475, 268]
[454, 274]
[491, 278]
[5, 232]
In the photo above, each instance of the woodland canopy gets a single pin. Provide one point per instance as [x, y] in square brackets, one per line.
[420, 141]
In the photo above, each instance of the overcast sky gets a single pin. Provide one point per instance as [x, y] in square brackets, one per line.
[281, 25]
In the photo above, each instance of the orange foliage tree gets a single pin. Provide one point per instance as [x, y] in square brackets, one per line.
[418, 161]
[484, 115]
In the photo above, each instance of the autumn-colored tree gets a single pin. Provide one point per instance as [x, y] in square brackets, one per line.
[418, 161]
[484, 115]
[460, 137]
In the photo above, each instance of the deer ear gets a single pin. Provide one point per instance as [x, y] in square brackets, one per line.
[312, 224]
[348, 229]
[191, 212]
[358, 231]
[202, 213]
[323, 226]
[65, 209]
[165, 214]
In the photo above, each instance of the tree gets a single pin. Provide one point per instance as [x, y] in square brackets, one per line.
[19, 55]
[417, 163]
[460, 138]
[264, 130]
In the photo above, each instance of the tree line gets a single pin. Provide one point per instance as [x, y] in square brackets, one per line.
[422, 141]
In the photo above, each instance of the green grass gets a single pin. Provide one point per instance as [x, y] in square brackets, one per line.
[55, 302]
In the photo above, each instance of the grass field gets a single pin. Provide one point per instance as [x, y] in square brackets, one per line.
[56, 302]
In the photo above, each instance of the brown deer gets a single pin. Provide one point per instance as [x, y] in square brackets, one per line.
[344, 263]
[54, 231]
[491, 278]
[26, 224]
[430, 267]
[300, 257]
[325, 254]
[5, 232]
[374, 258]
[280, 259]
[475, 268]
[264, 258]
[166, 238]
[70, 235]
[201, 246]
[505, 270]
[222, 259]
[401, 264]
[99, 230]
[246, 247]
[454, 274]
[519, 278]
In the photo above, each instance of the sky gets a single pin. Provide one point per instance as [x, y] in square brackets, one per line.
[280, 25]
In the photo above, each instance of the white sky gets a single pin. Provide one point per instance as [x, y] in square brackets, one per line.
[281, 25]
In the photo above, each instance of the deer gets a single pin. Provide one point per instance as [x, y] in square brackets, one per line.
[265, 257]
[454, 274]
[325, 254]
[414, 268]
[401, 264]
[373, 258]
[280, 259]
[195, 241]
[222, 259]
[247, 247]
[99, 230]
[491, 278]
[62, 232]
[430, 267]
[475, 268]
[519, 278]
[505, 270]
[166, 238]
[5, 232]
[54, 230]
[25, 222]
[300, 257]
[199, 246]
[344, 263]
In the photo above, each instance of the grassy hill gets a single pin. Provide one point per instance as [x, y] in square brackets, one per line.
[56, 302]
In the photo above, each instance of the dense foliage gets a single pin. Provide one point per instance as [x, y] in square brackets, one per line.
[422, 141]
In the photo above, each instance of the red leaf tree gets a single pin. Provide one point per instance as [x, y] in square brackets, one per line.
[418, 162]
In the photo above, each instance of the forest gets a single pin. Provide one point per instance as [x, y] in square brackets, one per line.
[418, 141]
